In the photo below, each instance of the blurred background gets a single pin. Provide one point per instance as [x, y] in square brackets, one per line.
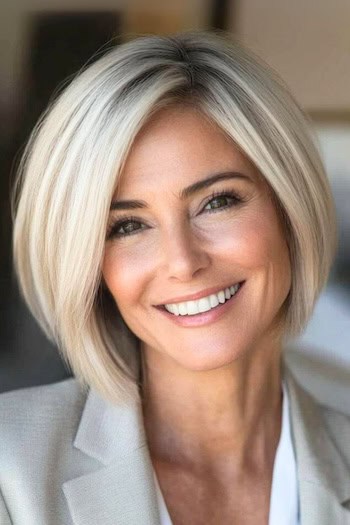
[43, 42]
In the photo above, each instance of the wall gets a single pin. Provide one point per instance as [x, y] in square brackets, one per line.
[307, 42]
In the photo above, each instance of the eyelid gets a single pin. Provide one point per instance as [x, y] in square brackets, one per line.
[230, 194]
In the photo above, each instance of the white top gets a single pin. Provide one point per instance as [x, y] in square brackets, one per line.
[284, 503]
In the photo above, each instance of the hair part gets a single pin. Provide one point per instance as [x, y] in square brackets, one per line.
[76, 153]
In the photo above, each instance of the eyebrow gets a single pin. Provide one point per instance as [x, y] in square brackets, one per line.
[186, 192]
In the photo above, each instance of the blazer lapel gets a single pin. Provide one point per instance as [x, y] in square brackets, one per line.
[323, 471]
[122, 491]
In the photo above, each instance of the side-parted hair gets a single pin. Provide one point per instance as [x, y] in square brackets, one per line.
[70, 169]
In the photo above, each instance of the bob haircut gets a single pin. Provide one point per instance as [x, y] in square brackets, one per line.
[70, 169]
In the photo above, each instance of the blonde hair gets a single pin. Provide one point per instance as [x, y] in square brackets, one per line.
[70, 169]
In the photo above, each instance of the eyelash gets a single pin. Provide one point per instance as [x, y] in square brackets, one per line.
[112, 231]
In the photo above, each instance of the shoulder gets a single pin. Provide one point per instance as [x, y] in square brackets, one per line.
[41, 399]
[306, 402]
[338, 427]
[35, 412]
[37, 452]
[320, 430]
[313, 394]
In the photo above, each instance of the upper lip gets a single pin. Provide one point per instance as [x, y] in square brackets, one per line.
[197, 295]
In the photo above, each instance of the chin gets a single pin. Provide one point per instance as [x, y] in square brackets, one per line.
[209, 358]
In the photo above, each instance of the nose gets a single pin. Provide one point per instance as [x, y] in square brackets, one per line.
[184, 253]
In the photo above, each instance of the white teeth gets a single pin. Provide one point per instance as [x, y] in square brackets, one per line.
[192, 308]
[214, 301]
[182, 309]
[202, 305]
[221, 297]
[176, 309]
[171, 308]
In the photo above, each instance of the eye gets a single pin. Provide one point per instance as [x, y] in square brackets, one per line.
[125, 227]
[222, 200]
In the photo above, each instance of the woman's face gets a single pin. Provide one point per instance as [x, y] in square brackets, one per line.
[186, 239]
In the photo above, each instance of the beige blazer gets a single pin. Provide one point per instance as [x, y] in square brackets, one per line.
[67, 458]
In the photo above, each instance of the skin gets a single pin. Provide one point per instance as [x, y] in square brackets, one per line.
[212, 398]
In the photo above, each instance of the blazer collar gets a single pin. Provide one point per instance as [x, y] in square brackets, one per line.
[123, 489]
[109, 432]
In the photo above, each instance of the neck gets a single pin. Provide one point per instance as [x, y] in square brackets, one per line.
[203, 418]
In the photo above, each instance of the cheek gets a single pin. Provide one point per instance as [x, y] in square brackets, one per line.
[251, 241]
[124, 271]
[264, 251]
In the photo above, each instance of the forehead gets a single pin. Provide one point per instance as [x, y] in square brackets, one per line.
[177, 146]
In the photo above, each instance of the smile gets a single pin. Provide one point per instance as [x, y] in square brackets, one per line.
[204, 304]
[224, 303]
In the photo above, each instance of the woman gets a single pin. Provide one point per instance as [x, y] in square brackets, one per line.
[173, 229]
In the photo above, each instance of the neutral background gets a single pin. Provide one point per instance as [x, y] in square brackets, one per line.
[43, 42]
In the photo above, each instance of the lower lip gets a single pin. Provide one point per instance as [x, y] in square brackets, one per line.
[205, 317]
